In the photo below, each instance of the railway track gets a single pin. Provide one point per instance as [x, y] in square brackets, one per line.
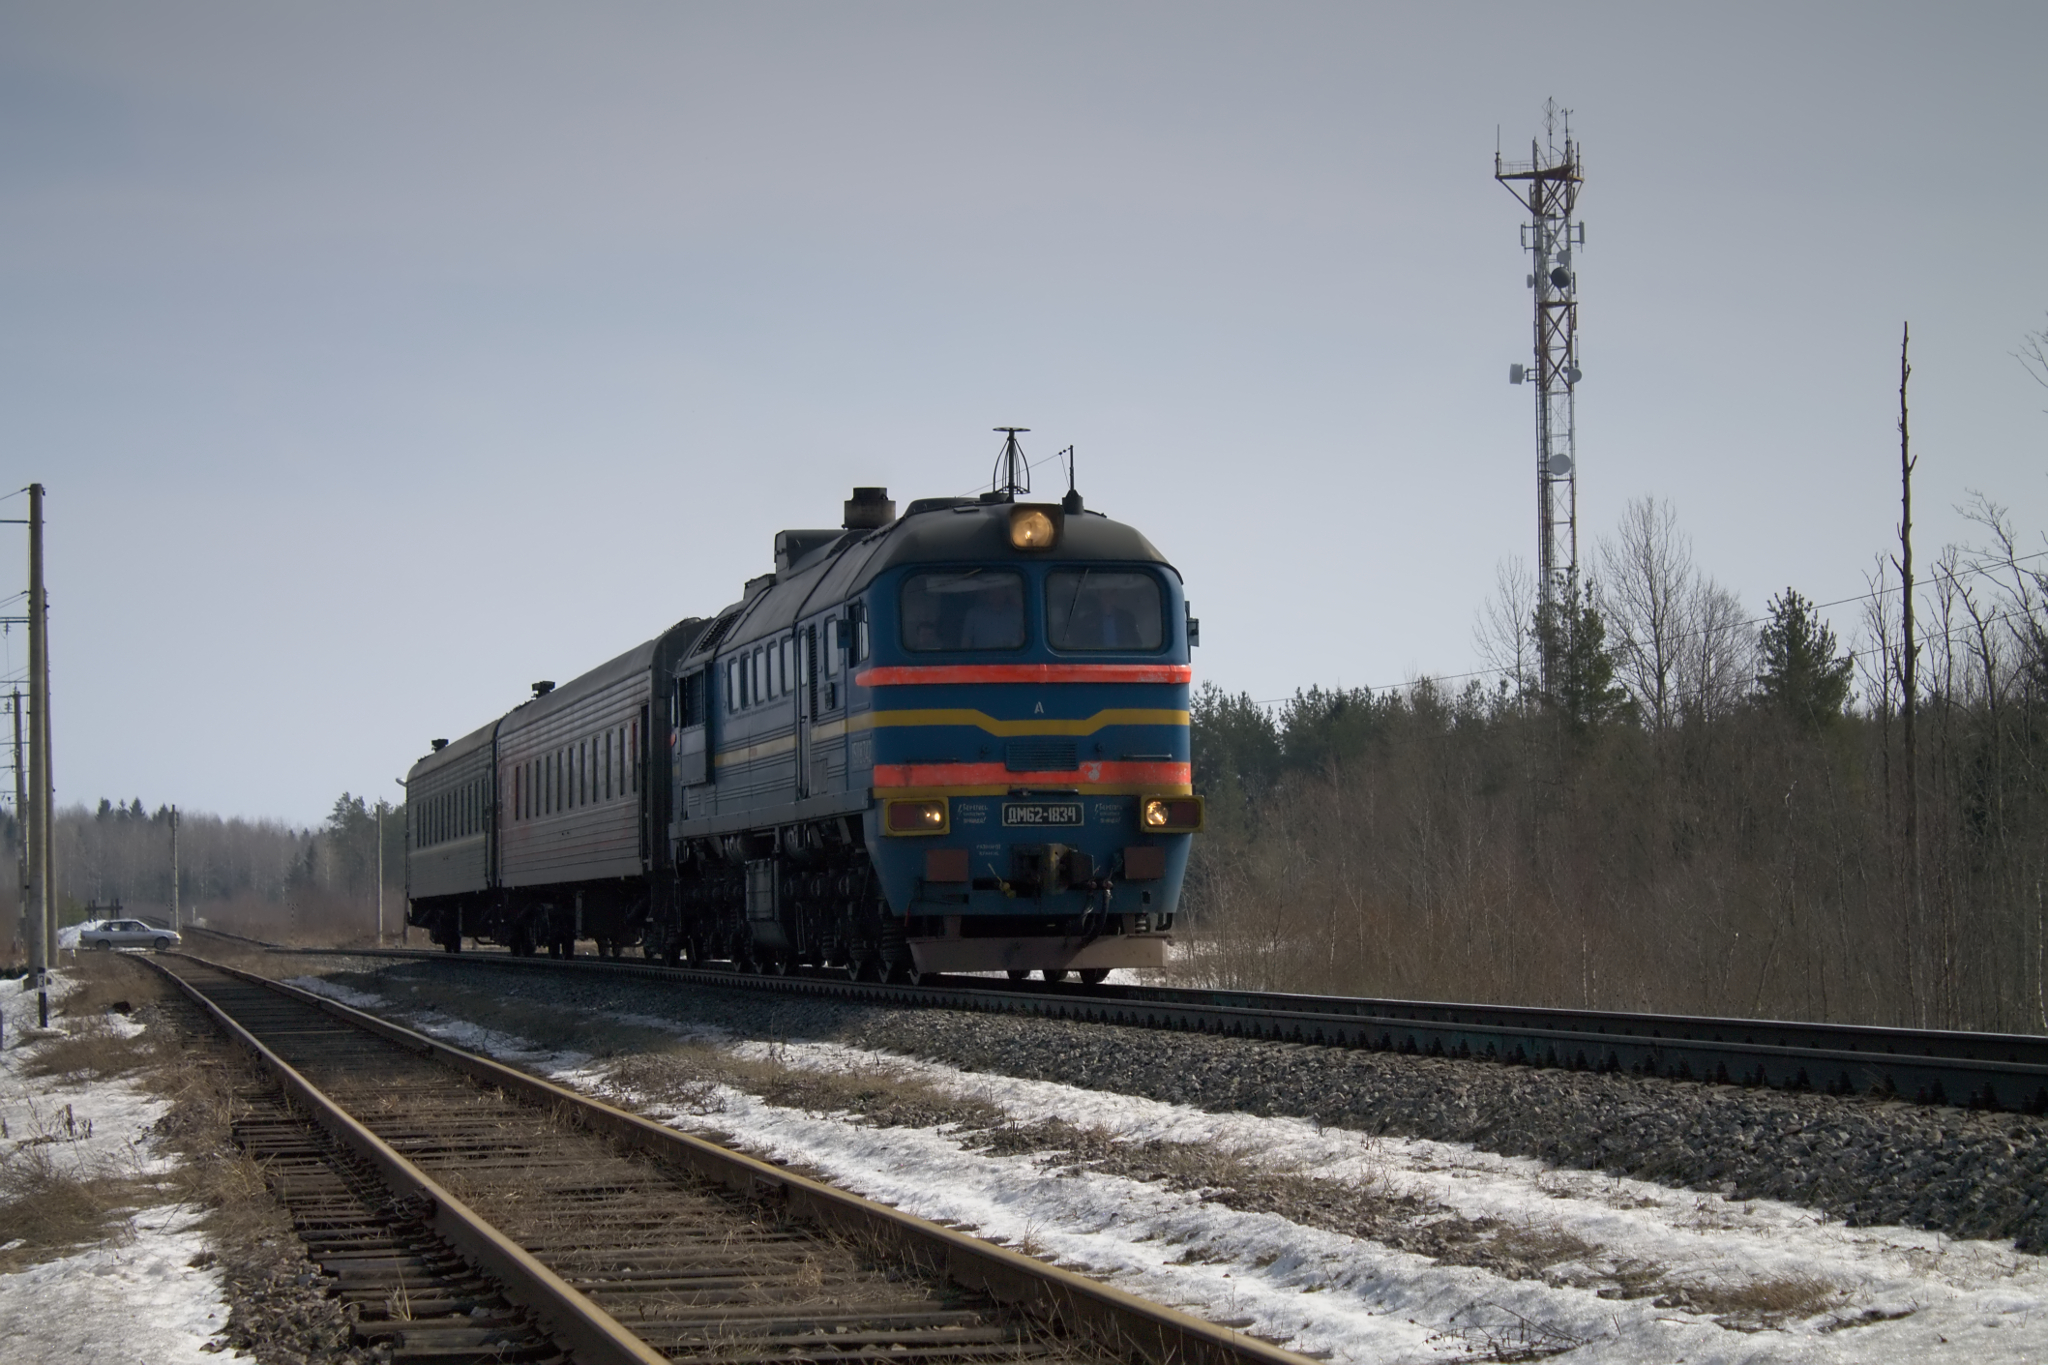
[470, 1212]
[1930, 1066]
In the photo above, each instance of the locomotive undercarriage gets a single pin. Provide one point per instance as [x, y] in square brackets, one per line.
[771, 900]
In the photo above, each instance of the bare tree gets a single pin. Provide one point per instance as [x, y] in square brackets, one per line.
[2033, 354]
[1646, 577]
[1717, 655]
[1501, 631]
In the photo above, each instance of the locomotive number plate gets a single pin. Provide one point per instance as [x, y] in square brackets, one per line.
[1040, 813]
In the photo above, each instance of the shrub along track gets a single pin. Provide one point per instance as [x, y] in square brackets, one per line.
[468, 1211]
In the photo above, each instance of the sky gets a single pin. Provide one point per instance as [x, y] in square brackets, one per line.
[380, 359]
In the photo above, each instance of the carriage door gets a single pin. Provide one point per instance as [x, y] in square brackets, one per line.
[693, 734]
[806, 705]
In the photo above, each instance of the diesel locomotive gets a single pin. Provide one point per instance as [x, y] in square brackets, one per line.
[947, 741]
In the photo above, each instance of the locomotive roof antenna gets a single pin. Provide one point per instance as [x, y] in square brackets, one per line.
[1013, 472]
[1547, 185]
[1072, 502]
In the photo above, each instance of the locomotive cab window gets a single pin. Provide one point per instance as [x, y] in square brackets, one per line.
[1119, 609]
[962, 610]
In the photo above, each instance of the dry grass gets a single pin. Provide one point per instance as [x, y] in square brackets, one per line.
[56, 1198]
[1755, 1305]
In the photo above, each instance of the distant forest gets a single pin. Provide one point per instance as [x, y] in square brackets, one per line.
[1700, 813]
[249, 876]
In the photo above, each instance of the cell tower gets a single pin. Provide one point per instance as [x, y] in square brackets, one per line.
[1547, 185]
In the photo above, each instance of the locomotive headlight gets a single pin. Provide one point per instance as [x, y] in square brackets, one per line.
[1170, 814]
[915, 817]
[1034, 528]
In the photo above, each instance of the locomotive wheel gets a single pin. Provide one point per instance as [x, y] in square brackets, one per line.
[1052, 974]
[1015, 975]
[1094, 976]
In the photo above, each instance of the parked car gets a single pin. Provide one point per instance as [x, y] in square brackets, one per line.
[129, 933]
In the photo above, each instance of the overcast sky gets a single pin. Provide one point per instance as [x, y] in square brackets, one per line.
[382, 358]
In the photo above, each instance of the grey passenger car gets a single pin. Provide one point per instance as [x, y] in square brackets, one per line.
[129, 933]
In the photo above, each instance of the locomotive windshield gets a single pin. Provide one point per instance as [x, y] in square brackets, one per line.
[970, 609]
[1103, 609]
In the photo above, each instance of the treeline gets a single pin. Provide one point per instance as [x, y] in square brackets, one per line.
[1696, 811]
[260, 877]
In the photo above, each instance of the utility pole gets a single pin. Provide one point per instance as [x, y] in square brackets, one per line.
[21, 821]
[380, 873]
[42, 936]
[177, 920]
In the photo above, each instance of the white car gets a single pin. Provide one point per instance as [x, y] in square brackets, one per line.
[128, 933]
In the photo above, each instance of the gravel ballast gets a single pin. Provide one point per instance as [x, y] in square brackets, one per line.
[1866, 1161]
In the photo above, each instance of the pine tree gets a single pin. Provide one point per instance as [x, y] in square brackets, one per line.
[1569, 632]
[1801, 673]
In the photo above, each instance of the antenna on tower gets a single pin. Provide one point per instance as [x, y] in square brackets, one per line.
[1013, 472]
[1547, 185]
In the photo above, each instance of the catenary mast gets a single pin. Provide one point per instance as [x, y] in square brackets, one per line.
[1547, 185]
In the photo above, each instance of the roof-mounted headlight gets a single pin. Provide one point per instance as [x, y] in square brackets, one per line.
[1035, 526]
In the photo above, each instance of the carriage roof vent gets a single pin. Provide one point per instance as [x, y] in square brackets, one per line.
[541, 689]
[868, 509]
[439, 745]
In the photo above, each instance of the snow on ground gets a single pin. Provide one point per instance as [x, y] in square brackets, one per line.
[1892, 1294]
[134, 1297]
[140, 1302]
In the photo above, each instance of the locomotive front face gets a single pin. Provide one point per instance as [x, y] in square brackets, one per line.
[1029, 720]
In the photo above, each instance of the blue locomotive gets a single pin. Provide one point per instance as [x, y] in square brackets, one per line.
[951, 740]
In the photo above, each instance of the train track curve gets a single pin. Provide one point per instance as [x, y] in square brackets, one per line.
[1931, 1066]
[469, 1211]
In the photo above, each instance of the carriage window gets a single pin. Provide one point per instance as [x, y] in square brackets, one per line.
[973, 609]
[760, 676]
[1103, 609]
[832, 649]
[787, 672]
